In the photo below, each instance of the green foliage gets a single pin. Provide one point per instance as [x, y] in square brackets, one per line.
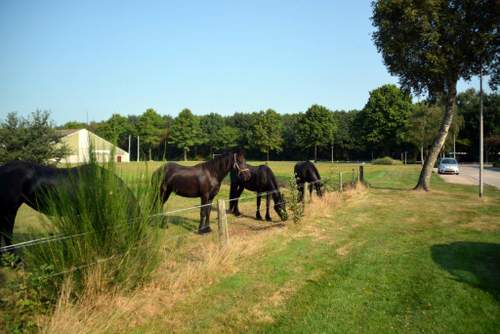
[217, 134]
[32, 139]
[267, 131]
[316, 127]
[186, 131]
[293, 202]
[384, 118]
[116, 130]
[151, 129]
[432, 44]
[386, 161]
[26, 298]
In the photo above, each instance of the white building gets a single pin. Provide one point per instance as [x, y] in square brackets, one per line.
[79, 141]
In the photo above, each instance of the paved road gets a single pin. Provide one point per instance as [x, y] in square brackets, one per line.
[469, 174]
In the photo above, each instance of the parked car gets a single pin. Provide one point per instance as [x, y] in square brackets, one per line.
[448, 166]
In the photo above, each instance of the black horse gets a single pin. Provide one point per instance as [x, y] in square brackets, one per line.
[203, 180]
[261, 180]
[29, 183]
[305, 171]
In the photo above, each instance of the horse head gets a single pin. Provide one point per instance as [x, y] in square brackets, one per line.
[240, 165]
[280, 206]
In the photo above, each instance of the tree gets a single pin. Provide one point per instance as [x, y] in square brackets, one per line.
[151, 129]
[316, 128]
[432, 44]
[116, 129]
[226, 137]
[467, 107]
[384, 118]
[267, 132]
[423, 126]
[344, 135]
[186, 131]
[31, 139]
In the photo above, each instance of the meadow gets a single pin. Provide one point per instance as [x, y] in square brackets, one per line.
[376, 259]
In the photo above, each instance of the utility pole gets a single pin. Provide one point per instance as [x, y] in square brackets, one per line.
[454, 145]
[129, 139]
[138, 145]
[481, 131]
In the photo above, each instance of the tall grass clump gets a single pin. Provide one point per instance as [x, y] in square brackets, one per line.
[106, 236]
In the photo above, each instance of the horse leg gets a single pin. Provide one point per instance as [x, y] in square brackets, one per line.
[257, 215]
[7, 229]
[268, 200]
[310, 191]
[239, 190]
[205, 216]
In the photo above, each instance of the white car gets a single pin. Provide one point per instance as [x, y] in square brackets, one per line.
[448, 166]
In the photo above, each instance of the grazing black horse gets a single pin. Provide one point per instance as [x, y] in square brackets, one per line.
[305, 171]
[202, 180]
[261, 180]
[29, 183]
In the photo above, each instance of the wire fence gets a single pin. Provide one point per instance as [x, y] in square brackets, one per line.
[344, 180]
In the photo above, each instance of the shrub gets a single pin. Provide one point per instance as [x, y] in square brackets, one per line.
[386, 161]
[496, 163]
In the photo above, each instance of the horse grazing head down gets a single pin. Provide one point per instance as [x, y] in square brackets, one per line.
[240, 164]
[280, 206]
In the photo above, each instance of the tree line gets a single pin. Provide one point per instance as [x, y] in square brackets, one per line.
[388, 125]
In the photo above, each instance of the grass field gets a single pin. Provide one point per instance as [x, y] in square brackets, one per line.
[386, 259]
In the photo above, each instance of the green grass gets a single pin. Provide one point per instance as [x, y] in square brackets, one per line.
[388, 260]
[416, 263]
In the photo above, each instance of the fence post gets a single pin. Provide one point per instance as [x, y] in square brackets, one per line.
[362, 174]
[340, 181]
[222, 222]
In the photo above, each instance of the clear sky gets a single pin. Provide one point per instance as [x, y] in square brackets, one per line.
[105, 57]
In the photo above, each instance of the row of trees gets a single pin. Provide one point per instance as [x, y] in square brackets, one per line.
[389, 124]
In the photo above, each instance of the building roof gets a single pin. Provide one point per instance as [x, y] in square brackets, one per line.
[66, 132]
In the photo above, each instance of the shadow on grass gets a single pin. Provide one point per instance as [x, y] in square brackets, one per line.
[474, 263]
[188, 224]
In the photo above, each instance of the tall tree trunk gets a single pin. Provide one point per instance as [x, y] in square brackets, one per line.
[185, 154]
[315, 152]
[424, 181]
[332, 153]
[267, 153]
[422, 154]
[150, 154]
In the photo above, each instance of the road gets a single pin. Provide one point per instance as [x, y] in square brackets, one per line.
[469, 174]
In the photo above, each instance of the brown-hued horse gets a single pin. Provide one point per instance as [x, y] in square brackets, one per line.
[202, 180]
[262, 180]
[305, 171]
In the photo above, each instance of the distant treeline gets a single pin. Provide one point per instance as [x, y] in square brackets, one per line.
[388, 125]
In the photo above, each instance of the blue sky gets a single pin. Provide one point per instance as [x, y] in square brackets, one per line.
[102, 57]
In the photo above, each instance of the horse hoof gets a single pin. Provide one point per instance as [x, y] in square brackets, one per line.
[269, 219]
[204, 230]
[258, 217]
[237, 214]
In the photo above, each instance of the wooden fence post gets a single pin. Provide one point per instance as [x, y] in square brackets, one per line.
[340, 181]
[222, 222]
[362, 174]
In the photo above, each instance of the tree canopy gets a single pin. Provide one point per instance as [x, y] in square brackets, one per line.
[32, 139]
[432, 44]
[186, 131]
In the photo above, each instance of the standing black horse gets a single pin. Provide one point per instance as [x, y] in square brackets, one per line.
[203, 180]
[35, 185]
[305, 171]
[261, 180]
